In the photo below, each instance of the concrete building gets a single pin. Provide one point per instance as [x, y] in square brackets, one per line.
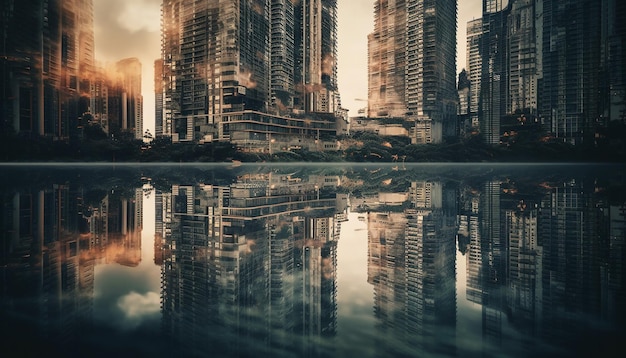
[116, 102]
[571, 69]
[315, 45]
[412, 67]
[273, 63]
[615, 60]
[46, 70]
[463, 112]
[128, 72]
[386, 60]
[160, 127]
[474, 67]
[524, 56]
[494, 73]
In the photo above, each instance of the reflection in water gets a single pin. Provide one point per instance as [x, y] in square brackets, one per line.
[52, 239]
[250, 267]
[412, 267]
[249, 260]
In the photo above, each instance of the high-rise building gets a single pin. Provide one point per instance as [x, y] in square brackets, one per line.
[249, 72]
[46, 70]
[493, 77]
[216, 61]
[615, 60]
[415, 39]
[128, 72]
[474, 67]
[282, 61]
[463, 113]
[159, 128]
[116, 102]
[386, 60]
[524, 58]
[315, 45]
[558, 63]
[572, 48]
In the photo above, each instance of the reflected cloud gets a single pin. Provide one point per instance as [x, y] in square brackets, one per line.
[137, 306]
[272, 260]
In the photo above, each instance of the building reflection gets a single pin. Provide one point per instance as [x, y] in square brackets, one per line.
[411, 264]
[249, 261]
[544, 264]
[52, 239]
[253, 261]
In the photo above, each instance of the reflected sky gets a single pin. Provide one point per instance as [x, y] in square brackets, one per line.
[289, 260]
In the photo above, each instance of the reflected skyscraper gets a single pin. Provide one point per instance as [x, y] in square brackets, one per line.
[48, 271]
[411, 263]
[247, 262]
[524, 265]
[386, 266]
[573, 258]
[257, 257]
[617, 257]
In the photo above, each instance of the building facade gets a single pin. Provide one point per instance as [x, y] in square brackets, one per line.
[223, 60]
[474, 65]
[556, 63]
[412, 54]
[46, 71]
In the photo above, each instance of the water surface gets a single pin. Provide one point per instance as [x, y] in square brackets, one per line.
[431, 260]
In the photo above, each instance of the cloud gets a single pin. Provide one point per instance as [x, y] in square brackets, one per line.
[140, 15]
[127, 29]
[136, 306]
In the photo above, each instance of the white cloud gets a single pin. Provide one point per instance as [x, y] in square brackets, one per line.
[140, 15]
[136, 306]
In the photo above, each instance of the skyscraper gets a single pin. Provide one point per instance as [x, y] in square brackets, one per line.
[159, 129]
[412, 67]
[215, 56]
[315, 43]
[248, 72]
[493, 77]
[46, 69]
[474, 65]
[386, 60]
[571, 68]
[282, 32]
[523, 57]
[129, 79]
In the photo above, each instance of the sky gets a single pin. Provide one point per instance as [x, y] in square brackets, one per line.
[131, 28]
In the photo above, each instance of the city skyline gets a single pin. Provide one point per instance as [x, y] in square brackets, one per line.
[132, 29]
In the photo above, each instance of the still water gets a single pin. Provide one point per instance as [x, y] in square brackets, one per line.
[313, 260]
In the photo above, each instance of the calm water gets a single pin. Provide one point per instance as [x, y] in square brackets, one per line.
[313, 260]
